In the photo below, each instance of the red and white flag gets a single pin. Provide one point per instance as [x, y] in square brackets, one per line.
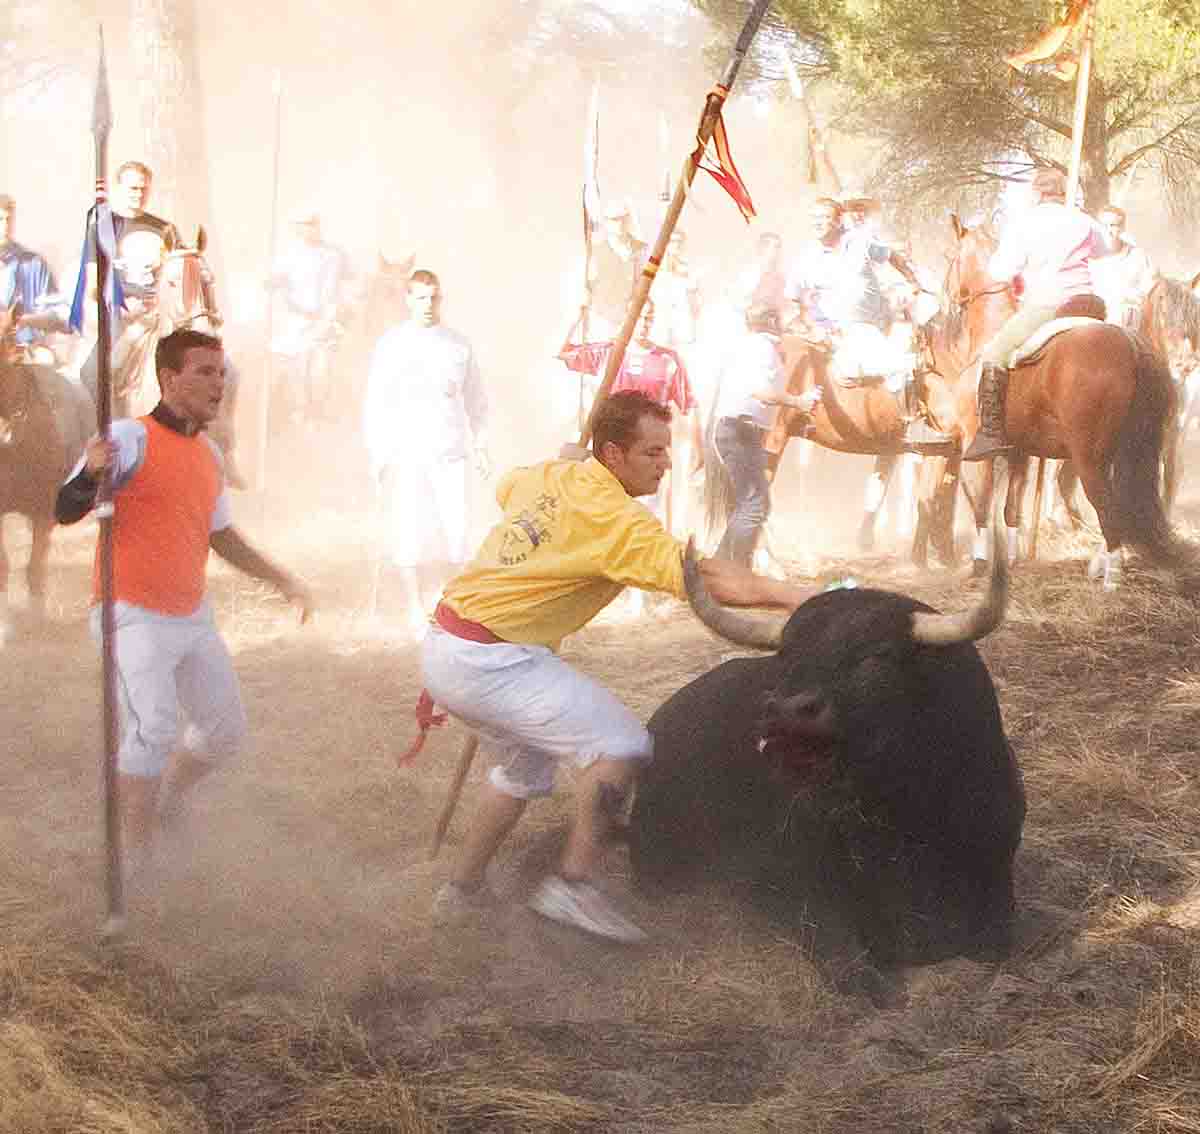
[717, 160]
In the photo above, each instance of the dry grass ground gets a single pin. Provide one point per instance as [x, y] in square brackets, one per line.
[282, 976]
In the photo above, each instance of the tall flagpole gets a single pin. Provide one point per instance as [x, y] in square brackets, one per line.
[1081, 97]
[114, 875]
[265, 392]
[708, 122]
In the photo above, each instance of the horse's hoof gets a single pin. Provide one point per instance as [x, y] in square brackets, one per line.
[980, 568]
[1096, 566]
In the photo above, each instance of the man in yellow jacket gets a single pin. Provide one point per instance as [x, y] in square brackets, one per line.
[572, 537]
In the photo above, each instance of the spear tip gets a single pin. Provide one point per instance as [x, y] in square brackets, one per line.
[101, 105]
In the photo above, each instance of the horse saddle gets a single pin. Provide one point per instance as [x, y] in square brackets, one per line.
[1028, 351]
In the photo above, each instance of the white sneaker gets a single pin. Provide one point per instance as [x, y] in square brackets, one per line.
[580, 904]
[452, 904]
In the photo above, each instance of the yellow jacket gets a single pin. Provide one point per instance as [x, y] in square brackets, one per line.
[571, 539]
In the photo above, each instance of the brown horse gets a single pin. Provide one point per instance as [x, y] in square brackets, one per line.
[1095, 395]
[44, 422]
[867, 419]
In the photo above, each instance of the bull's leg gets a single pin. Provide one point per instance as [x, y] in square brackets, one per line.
[39, 555]
[1014, 503]
[873, 498]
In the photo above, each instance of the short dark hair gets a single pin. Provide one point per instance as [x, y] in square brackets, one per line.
[140, 166]
[829, 203]
[424, 276]
[618, 418]
[171, 352]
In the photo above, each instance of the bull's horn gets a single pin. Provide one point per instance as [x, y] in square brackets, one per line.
[947, 629]
[741, 629]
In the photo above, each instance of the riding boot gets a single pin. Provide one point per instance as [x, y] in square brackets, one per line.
[917, 431]
[990, 441]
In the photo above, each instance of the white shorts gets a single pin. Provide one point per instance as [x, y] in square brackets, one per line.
[426, 510]
[532, 707]
[170, 666]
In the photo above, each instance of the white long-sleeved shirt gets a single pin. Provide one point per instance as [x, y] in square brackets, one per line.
[425, 398]
[751, 366]
[1050, 247]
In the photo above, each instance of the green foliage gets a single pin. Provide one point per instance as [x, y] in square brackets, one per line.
[929, 82]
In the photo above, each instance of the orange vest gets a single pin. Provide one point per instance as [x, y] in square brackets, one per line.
[161, 523]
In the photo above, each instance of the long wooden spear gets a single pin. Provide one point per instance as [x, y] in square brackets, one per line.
[114, 875]
[266, 389]
[708, 121]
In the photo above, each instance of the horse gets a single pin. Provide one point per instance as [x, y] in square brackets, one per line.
[184, 297]
[867, 419]
[1095, 394]
[45, 421]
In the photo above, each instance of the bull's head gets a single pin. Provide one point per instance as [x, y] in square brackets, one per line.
[928, 627]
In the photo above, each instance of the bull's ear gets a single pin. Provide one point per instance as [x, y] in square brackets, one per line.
[960, 229]
[201, 238]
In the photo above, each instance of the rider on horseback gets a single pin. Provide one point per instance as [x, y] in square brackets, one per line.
[27, 289]
[840, 301]
[1051, 250]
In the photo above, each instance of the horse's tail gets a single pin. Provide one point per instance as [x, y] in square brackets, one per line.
[718, 484]
[1137, 464]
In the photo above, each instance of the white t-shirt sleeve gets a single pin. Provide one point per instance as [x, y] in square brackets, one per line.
[129, 436]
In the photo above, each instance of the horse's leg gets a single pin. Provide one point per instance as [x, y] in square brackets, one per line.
[944, 493]
[3, 585]
[873, 497]
[979, 495]
[39, 555]
[1014, 503]
[1106, 563]
[1068, 482]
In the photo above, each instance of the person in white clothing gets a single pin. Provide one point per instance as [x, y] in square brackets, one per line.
[1051, 249]
[1125, 276]
[425, 410]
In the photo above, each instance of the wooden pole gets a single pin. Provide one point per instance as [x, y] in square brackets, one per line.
[268, 383]
[470, 747]
[708, 121]
[1081, 96]
[114, 875]
[1037, 508]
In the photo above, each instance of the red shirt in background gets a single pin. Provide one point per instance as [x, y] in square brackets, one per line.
[658, 372]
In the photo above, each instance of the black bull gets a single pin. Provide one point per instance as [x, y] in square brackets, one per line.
[861, 768]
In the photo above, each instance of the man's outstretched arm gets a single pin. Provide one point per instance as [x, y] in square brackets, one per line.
[732, 584]
[230, 546]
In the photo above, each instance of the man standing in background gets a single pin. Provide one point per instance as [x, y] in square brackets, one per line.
[1123, 277]
[425, 409]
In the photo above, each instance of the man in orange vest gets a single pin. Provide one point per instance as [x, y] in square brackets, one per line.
[170, 508]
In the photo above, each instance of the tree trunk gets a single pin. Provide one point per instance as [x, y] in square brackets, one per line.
[1093, 171]
[172, 116]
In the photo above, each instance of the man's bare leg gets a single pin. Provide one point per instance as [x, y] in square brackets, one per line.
[183, 773]
[600, 799]
[139, 798]
[496, 816]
